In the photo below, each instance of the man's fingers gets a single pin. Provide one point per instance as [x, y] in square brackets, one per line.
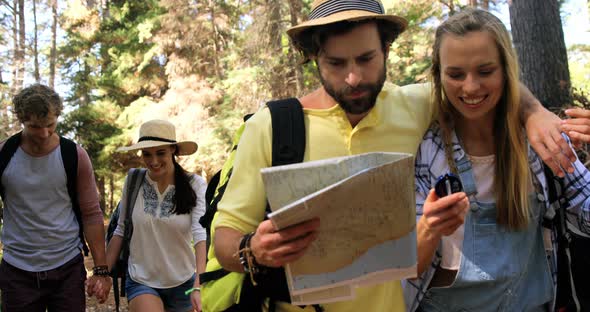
[579, 138]
[583, 128]
[290, 257]
[293, 232]
[288, 251]
[578, 130]
[577, 112]
[268, 247]
[295, 245]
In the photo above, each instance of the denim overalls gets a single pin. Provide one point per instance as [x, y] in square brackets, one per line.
[500, 270]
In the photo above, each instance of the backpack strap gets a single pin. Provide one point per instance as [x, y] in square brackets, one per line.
[566, 289]
[8, 149]
[69, 157]
[288, 147]
[288, 131]
[136, 176]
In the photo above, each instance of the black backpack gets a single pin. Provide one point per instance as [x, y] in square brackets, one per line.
[119, 270]
[573, 254]
[288, 147]
[69, 156]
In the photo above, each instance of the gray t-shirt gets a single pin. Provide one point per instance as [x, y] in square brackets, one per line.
[40, 230]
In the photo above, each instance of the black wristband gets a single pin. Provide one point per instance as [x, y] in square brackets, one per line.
[100, 270]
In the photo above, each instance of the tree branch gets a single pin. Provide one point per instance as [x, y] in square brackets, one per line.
[11, 8]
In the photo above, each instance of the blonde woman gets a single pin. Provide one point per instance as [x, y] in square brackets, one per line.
[483, 249]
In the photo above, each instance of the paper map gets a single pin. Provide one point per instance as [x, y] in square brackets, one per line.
[366, 206]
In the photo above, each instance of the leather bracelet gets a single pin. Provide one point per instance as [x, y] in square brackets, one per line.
[101, 270]
[245, 252]
[247, 258]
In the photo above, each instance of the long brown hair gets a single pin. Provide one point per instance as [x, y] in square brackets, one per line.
[511, 167]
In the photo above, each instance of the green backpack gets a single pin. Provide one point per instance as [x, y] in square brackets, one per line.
[222, 290]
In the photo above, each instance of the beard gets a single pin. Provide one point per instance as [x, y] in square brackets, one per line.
[358, 105]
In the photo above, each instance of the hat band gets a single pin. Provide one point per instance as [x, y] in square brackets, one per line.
[334, 6]
[151, 138]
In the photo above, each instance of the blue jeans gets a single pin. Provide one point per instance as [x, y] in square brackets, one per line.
[173, 298]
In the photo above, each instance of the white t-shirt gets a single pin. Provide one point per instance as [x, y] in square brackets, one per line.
[161, 249]
[483, 171]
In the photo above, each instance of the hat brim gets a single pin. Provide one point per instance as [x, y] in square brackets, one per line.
[183, 147]
[352, 15]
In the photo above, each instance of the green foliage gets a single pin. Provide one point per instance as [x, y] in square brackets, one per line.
[409, 58]
[94, 127]
[202, 65]
[579, 66]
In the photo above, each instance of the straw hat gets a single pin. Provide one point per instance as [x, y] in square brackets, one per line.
[331, 11]
[160, 133]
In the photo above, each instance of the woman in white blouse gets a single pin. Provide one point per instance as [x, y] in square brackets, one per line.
[162, 266]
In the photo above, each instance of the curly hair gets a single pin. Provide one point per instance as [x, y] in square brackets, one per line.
[36, 100]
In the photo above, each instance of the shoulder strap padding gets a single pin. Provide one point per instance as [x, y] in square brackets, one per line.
[288, 147]
[8, 149]
[69, 157]
[136, 176]
[288, 131]
[566, 289]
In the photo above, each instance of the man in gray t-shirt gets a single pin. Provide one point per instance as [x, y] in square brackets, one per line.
[47, 200]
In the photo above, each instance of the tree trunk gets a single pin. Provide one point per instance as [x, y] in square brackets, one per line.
[90, 4]
[53, 48]
[35, 43]
[484, 4]
[538, 37]
[273, 22]
[20, 53]
[450, 4]
[112, 194]
[105, 10]
[295, 11]
[101, 193]
[216, 49]
[14, 85]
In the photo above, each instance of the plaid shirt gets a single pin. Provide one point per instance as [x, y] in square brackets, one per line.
[431, 163]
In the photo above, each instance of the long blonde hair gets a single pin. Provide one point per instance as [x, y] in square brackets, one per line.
[511, 167]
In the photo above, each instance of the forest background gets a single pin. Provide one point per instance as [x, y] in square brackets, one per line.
[203, 64]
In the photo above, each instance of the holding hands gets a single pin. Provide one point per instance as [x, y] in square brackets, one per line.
[195, 295]
[99, 286]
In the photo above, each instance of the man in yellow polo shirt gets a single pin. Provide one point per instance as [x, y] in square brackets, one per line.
[354, 111]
